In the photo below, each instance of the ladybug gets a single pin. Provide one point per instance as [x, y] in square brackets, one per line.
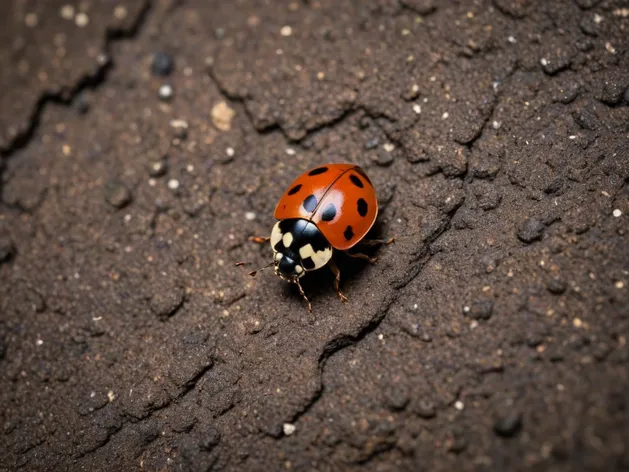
[331, 207]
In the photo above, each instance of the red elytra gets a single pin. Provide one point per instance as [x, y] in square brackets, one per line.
[339, 198]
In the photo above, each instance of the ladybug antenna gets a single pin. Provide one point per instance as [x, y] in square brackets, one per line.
[303, 294]
[254, 272]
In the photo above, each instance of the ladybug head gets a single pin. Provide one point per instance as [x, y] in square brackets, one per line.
[288, 267]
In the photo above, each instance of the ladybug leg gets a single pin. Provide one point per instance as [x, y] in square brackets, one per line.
[337, 281]
[260, 239]
[303, 294]
[358, 255]
[376, 242]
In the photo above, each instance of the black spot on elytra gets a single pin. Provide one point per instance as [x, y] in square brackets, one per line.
[356, 181]
[318, 170]
[362, 207]
[348, 233]
[310, 203]
[329, 213]
[362, 173]
[295, 189]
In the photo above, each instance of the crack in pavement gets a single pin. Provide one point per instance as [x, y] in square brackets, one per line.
[89, 82]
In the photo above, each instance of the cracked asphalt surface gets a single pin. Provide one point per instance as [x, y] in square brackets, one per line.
[491, 336]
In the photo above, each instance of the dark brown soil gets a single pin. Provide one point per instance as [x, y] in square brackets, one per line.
[492, 335]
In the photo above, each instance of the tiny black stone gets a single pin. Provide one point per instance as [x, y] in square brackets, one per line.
[117, 194]
[362, 207]
[295, 189]
[162, 64]
[329, 213]
[310, 203]
[7, 248]
[557, 286]
[508, 425]
[481, 309]
[531, 230]
[425, 409]
[348, 233]
[318, 170]
[356, 181]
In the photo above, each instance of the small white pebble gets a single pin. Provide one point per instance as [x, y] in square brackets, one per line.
[466, 309]
[577, 323]
[152, 182]
[620, 284]
[610, 48]
[92, 394]
[417, 108]
[81, 20]
[459, 405]
[39, 342]
[173, 184]
[31, 20]
[67, 12]
[190, 168]
[496, 124]
[111, 395]
[572, 136]
[290, 151]
[179, 124]
[289, 429]
[512, 40]
[543, 61]
[415, 306]
[165, 92]
[445, 116]
[250, 216]
[560, 387]
[617, 213]
[388, 147]
[474, 324]
[381, 337]
[230, 151]
[286, 30]
[127, 218]
[120, 12]
[597, 18]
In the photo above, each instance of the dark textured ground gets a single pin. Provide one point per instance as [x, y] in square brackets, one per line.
[491, 336]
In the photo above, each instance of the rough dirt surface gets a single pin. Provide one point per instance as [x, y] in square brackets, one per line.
[492, 335]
